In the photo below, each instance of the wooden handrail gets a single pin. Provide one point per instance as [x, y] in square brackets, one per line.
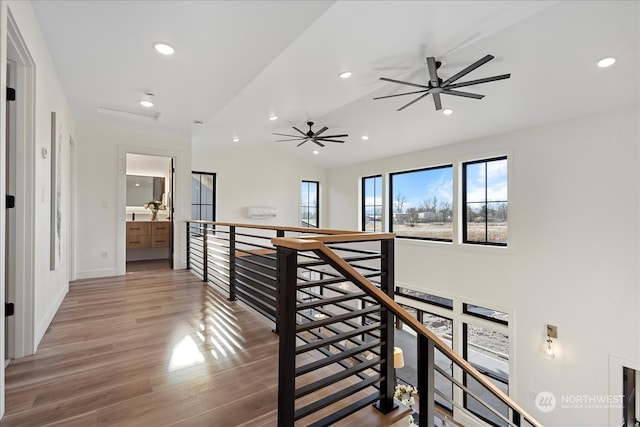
[307, 244]
[309, 230]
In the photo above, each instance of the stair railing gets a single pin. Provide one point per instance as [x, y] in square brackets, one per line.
[292, 388]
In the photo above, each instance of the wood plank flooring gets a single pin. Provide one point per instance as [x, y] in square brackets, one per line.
[152, 348]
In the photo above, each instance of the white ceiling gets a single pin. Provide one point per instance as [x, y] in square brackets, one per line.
[238, 62]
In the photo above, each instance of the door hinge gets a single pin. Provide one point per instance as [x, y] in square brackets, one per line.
[9, 309]
[11, 94]
[10, 201]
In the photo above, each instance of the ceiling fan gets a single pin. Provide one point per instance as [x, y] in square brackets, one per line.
[311, 136]
[436, 86]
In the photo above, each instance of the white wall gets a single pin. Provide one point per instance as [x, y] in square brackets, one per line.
[572, 258]
[101, 174]
[260, 175]
[41, 288]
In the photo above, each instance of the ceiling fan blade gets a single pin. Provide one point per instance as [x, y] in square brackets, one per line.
[320, 131]
[467, 70]
[465, 94]
[437, 101]
[286, 134]
[287, 140]
[319, 143]
[331, 140]
[403, 83]
[478, 81]
[344, 135]
[433, 71]
[401, 94]
[412, 102]
[305, 135]
[302, 142]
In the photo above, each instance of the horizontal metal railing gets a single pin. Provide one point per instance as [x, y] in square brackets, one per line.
[482, 402]
[330, 295]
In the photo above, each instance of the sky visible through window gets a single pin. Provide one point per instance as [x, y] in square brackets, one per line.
[421, 186]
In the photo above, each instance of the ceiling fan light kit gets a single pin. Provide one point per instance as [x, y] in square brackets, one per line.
[436, 86]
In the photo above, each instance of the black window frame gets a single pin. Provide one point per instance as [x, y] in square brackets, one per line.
[465, 239]
[438, 301]
[391, 203]
[317, 206]
[213, 196]
[363, 205]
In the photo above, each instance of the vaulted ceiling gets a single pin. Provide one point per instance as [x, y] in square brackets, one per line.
[239, 62]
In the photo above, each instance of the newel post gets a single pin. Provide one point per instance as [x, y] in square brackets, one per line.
[188, 245]
[426, 383]
[232, 263]
[205, 255]
[287, 266]
[387, 283]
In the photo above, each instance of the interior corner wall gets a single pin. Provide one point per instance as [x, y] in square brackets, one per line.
[260, 175]
[49, 287]
[100, 219]
[572, 260]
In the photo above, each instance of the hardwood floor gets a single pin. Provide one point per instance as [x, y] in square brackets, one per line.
[157, 348]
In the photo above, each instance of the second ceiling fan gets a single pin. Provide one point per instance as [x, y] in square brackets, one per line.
[310, 135]
[436, 86]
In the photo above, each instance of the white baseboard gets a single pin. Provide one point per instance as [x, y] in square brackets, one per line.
[91, 274]
[43, 325]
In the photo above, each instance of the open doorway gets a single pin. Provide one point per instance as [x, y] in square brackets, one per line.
[149, 212]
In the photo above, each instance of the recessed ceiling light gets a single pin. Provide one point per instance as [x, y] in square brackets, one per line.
[447, 111]
[364, 137]
[146, 103]
[315, 152]
[606, 62]
[236, 139]
[273, 118]
[345, 74]
[164, 48]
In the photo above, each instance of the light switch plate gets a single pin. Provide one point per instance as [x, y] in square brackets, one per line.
[44, 152]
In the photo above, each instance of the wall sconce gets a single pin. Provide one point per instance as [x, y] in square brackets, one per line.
[552, 332]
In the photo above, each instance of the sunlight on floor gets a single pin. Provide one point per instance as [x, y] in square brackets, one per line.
[184, 354]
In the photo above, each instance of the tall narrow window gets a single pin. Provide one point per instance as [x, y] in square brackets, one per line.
[309, 204]
[372, 203]
[485, 201]
[421, 203]
[203, 196]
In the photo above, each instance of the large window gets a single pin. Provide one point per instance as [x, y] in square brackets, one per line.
[372, 203]
[421, 203]
[309, 204]
[485, 201]
[203, 192]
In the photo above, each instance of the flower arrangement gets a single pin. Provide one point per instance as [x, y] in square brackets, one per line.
[155, 205]
[405, 394]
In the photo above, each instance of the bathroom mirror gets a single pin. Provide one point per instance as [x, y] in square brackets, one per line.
[142, 189]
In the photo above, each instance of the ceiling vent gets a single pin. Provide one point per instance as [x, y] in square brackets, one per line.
[134, 113]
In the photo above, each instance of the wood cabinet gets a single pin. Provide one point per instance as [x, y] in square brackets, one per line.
[144, 235]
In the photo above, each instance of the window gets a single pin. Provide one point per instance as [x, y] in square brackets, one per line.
[309, 206]
[488, 351]
[425, 297]
[485, 202]
[372, 203]
[203, 196]
[421, 203]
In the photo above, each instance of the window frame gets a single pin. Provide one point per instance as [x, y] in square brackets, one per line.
[317, 206]
[391, 203]
[363, 205]
[213, 196]
[464, 227]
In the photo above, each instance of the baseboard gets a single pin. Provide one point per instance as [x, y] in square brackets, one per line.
[92, 274]
[43, 325]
